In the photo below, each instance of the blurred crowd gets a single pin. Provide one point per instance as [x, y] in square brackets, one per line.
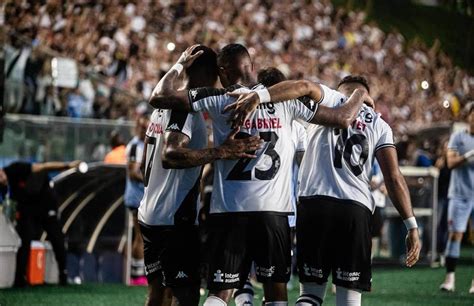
[131, 44]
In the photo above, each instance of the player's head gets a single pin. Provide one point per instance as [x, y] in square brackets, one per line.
[141, 126]
[235, 65]
[203, 71]
[270, 76]
[116, 139]
[351, 82]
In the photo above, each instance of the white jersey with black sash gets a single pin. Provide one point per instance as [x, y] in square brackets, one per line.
[338, 162]
[263, 184]
[171, 196]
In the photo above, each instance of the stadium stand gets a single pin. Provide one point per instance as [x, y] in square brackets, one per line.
[131, 44]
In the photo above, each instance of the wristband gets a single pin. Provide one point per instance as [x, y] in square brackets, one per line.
[178, 67]
[263, 95]
[410, 223]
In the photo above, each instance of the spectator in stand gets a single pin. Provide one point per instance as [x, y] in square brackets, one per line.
[117, 155]
[128, 43]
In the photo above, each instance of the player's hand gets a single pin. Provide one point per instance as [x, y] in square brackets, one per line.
[74, 164]
[368, 100]
[413, 245]
[187, 58]
[234, 148]
[245, 104]
[469, 156]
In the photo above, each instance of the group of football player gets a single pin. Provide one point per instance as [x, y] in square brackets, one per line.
[260, 127]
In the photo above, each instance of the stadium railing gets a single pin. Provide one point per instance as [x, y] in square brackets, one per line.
[43, 138]
[423, 186]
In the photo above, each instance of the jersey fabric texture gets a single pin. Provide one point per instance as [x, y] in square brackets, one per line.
[133, 188]
[462, 177]
[338, 163]
[171, 196]
[250, 185]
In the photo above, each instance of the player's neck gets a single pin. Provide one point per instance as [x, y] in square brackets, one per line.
[198, 83]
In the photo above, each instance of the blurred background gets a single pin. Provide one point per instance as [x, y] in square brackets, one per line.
[75, 73]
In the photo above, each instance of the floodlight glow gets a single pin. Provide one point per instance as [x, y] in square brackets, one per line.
[425, 85]
[83, 167]
[170, 46]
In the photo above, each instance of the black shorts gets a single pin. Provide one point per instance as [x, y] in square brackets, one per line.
[171, 254]
[236, 240]
[334, 236]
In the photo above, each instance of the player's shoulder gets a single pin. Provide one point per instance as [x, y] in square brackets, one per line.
[196, 94]
[379, 122]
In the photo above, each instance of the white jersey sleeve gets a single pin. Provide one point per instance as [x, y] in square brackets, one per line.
[181, 122]
[300, 138]
[385, 136]
[331, 97]
[302, 108]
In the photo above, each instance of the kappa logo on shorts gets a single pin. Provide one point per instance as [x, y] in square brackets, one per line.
[220, 277]
[181, 274]
[347, 276]
[193, 93]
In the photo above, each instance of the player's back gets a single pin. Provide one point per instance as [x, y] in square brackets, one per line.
[171, 195]
[338, 162]
[263, 183]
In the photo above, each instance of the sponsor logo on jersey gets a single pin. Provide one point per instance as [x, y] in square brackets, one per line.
[174, 126]
[220, 277]
[347, 276]
[155, 128]
[181, 274]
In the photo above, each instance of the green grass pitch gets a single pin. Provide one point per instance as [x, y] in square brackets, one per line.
[394, 286]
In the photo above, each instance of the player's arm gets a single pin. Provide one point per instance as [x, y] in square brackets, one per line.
[54, 166]
[165, 95]
[340, 117]
[177, 155]
[134, 172]
[400, 196]
[344, 115]
[454, 159]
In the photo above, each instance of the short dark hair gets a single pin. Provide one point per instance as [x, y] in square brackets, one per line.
[270, 76]
[230, 52]
[355, 79]
[204, 65]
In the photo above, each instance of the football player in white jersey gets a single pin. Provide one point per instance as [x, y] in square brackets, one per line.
[251, 198]
[168, 210]
[333, 225]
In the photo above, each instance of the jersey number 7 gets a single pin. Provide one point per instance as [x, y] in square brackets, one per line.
[238, 173]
